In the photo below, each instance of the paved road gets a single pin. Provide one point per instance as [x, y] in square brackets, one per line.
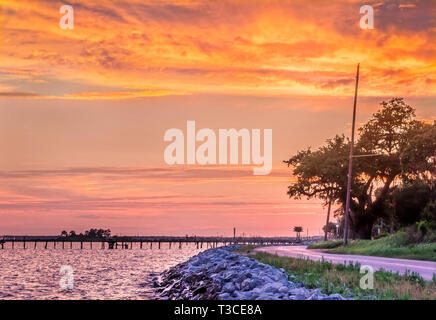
[424, 268]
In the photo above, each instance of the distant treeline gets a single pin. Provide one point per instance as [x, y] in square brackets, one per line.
[88, 234]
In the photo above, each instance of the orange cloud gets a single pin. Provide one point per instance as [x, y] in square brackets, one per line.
[267, 48]
[152, 194]
[121, 94]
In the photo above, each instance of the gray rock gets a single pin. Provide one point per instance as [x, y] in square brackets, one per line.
[334, 296]
[229, 287]
[225, 296]
[272, 287]
[248, 284]
[283, 289]
[221, 274]
[315, 295]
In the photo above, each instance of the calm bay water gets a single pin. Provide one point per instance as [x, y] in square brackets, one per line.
[98, 274]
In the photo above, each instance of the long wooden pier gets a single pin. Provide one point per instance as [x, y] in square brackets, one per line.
[126, 242]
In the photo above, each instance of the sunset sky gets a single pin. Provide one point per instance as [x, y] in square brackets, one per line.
[83, 112]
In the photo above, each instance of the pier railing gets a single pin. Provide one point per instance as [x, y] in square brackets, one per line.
[126, 242]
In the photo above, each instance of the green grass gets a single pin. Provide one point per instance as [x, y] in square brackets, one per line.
[246, 249]
[326, 244]
[345, 279]
[393, 246]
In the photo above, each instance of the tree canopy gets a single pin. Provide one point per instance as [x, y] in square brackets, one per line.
[392, 147]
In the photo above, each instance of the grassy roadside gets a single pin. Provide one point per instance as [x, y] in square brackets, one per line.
[392, 246]
[345, 279]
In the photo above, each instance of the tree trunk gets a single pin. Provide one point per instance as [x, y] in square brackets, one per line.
[361, 228]
[364, 232]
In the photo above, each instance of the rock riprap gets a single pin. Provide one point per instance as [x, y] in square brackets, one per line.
[225, 275]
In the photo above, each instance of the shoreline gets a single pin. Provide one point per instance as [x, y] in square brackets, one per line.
[222, 274]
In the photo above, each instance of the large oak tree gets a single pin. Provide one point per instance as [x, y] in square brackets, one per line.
[392, 147]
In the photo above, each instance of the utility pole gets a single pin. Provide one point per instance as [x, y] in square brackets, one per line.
[350, 163]
[328, 218]
[234, 232]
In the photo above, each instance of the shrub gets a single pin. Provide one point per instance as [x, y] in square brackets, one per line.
[429, 214]
[423, 227]
[413, 235]
[326, 245]
[381, 235]
[430, 237]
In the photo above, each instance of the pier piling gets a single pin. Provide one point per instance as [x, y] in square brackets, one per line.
[210, 242]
